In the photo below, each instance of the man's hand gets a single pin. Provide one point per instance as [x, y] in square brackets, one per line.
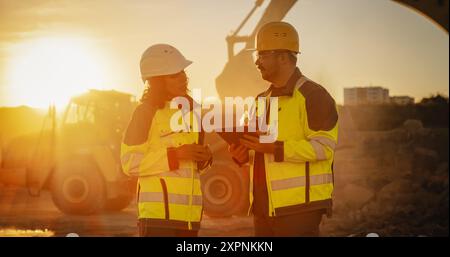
[253, 143]
[239, 153]
[193, 152]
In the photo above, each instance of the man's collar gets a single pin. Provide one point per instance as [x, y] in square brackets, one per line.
[288, 88]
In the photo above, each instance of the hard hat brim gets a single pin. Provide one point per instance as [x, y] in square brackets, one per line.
[175, 71]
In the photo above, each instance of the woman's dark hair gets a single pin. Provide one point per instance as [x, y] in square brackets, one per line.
[155, 92]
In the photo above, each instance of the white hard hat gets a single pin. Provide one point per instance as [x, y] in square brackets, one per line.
[162, 59]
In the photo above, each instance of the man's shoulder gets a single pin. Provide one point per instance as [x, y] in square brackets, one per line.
[320, 106]
[311, 88]
[314, 92]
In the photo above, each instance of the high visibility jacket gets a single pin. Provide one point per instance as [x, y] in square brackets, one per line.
[169, 193]
[299, 175]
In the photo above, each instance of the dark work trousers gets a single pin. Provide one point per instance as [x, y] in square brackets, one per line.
[302, 224]
[147, 231]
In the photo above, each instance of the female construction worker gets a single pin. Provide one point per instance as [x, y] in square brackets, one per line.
[166, 162]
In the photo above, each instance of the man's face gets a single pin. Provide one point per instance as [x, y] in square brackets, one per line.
[267, 63]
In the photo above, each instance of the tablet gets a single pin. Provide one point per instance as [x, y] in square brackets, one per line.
[234, 136]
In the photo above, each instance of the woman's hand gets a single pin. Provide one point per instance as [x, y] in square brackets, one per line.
[193, 152]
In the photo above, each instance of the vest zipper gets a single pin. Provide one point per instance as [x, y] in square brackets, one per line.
[307, 186]
[269, 186]
[266, 159]
[251, 155]
[166, 197]
[191, 196]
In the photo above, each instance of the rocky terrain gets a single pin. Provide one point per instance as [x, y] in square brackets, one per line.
[393, 183]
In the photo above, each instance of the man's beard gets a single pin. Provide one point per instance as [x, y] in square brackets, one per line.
[268, 75]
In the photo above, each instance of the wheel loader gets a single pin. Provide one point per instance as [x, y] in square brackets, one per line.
[78, 160]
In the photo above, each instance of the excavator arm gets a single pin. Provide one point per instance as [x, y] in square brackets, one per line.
[275, 11]
[240, 76]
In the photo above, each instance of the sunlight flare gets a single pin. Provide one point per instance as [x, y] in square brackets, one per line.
[51, 70]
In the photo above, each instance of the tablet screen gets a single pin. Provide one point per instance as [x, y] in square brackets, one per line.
[234, 136]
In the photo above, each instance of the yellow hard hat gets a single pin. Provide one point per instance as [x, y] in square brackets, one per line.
[277, 35]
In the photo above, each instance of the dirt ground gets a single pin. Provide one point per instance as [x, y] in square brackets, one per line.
[393, 183]
[20, 211]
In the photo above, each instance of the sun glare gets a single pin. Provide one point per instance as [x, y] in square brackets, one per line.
[51, 70]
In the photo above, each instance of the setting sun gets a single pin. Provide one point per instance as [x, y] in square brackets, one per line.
[51, 70]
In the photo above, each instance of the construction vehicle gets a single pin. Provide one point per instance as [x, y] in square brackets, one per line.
[78, 159]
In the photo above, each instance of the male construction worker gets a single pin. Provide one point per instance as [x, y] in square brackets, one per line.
[291, 178]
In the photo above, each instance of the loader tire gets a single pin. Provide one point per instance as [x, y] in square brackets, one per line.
[78, 188]
[224, 192]
[119, 203]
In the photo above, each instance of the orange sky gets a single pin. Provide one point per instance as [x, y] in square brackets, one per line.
[45, 45]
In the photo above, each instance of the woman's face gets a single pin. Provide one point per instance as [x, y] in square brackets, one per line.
[176, 84]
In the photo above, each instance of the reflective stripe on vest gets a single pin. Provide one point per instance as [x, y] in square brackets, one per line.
[325, 141]
[318, 149]
[180, 173]
[136, 159]
[301, 181]
[318, 142]
[172, 198]
[125, 158]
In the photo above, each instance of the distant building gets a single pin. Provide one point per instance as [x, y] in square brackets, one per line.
[401, 100]
[366, 95]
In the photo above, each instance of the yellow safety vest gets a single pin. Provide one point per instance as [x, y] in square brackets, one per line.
[299, 174]
[167, 196]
